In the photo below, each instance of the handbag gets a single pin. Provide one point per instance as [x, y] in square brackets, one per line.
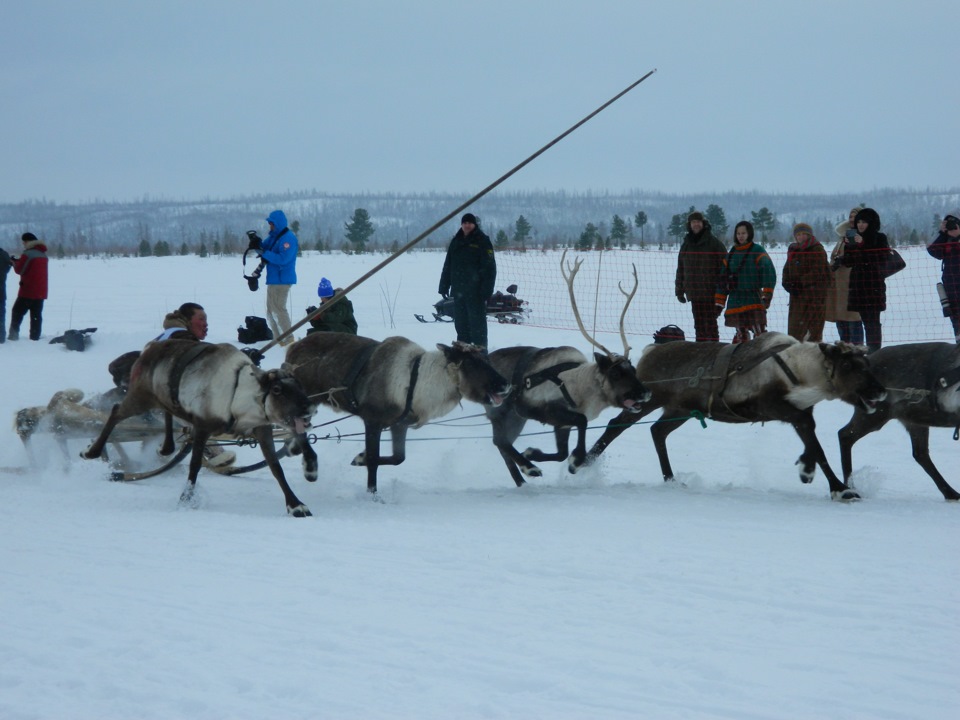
[892, 263]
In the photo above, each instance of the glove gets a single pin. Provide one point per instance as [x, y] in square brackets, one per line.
[256, 242]
[253, 282]
[255, 355]
[311, 310]
[765, 298]
[681, 297]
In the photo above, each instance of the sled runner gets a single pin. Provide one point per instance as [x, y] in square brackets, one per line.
[505, 307]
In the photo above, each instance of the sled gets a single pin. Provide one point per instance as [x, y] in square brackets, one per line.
[132, 449]
[504, 307]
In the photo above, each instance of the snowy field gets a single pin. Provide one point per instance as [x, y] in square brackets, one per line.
[736, 593]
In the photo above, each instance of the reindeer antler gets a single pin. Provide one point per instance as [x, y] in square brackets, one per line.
[623, 315]
[573, 300]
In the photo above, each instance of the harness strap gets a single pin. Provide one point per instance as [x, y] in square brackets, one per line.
[552, 374]
[414, 376]
[721, 366]
[177, 372]
[359, 363]
[786, 370]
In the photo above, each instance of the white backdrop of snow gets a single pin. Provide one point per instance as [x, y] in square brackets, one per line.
[735, 593]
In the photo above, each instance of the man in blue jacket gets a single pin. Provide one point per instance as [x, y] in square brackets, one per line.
[279, 251]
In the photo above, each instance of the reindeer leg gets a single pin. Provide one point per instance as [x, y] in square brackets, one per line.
[96, 447]
[168, 445]
[813, 454]
[920, 440]
[860, 425]
[371, 454]
[309, 460]
[659, 432]
[562, 435]
[615, 428]
[398, 436]
[507, 426]
[188, 496]
[264, 435]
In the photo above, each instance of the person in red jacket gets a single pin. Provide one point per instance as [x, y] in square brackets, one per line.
[31, 266]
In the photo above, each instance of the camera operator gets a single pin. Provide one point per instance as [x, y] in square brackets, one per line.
[946, 248]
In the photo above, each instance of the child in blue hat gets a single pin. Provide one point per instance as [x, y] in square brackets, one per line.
[339, 318]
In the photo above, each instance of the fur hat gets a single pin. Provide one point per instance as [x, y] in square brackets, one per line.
[469, 218]
[325, 288]
[695, 215]
[871, 217]
[802, 227]
[28, 237]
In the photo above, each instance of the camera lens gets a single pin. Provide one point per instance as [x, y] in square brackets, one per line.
[952, 224]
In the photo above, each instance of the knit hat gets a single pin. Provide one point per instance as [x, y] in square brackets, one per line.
[695, 215]
[325, 288]
[469, 218]
[802, 227]
[28, 237]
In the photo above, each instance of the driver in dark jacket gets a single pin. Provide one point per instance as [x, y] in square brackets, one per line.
[469, 274]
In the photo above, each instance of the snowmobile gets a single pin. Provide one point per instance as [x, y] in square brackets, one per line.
[505, 307]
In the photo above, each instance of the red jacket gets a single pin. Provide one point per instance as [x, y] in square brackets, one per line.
[31, 266]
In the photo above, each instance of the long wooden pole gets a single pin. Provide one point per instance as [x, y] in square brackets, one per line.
[324, 307]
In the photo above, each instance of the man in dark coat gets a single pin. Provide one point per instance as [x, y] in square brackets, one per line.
[5, 264]
[865, 254]
[469, 274]
[946, 248]
[31, 266]
[699, 270]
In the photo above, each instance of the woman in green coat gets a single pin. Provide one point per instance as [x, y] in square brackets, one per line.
[747, 286]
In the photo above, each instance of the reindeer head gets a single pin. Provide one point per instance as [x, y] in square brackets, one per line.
[476, 378]
[621, 387]
[848, 368]
[284, 401]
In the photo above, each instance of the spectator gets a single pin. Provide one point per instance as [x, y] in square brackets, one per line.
[338, 318]
[748, 285]
[279, 252]
[806, 276]
[946, 248]
[863, 254]
[849, 325]
[699, 269]
[469, 274]
[187, 322]
[31, 266]
[5, 264]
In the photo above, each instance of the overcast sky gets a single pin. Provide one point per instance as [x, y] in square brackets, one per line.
[189, 100]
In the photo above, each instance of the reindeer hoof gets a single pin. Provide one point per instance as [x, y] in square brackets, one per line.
[360, 459]
[530, 452]
[189, 498]
[299, 511]
[532, 471]
[847, 495]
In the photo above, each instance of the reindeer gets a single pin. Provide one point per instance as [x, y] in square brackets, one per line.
[923, 391]
[558, 386]
[217, 389]
[772, 377]
[394, 384]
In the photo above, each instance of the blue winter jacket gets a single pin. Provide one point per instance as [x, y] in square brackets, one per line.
[280, 251]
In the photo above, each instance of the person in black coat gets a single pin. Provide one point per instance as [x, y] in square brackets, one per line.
[946, 248]
[469, 274]
[865, 254]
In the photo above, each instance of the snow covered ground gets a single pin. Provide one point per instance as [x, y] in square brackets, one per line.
[736, 593]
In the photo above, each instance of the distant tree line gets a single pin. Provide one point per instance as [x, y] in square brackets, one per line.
[515, 221]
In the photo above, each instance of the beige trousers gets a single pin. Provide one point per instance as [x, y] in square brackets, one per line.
[277, 315]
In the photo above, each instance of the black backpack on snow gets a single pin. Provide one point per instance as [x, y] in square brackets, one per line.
[255, 331]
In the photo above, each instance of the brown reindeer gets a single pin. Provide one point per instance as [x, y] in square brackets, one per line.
[394, 384]
[558, 386]
[772, 377]
[923, 391]
[217, 389]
